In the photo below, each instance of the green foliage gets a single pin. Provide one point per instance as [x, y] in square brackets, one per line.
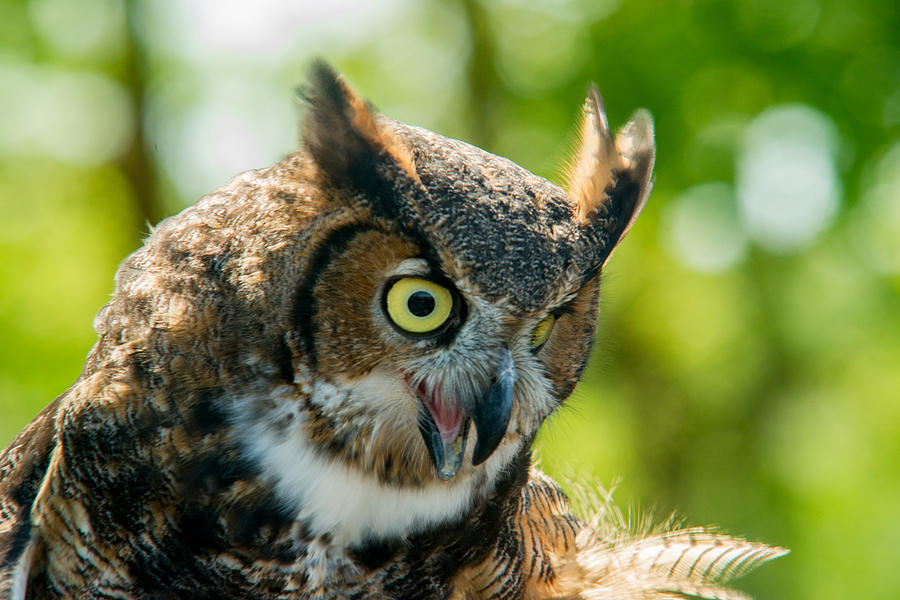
[747, 367]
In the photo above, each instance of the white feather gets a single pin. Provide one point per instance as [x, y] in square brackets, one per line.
[346, 503]
[21, 572]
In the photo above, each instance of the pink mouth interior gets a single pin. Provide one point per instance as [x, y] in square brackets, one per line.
[446, 412]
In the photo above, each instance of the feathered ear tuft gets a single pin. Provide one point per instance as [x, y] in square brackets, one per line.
[591, 169]
[343, 134]
[609, 181]
[637, 153]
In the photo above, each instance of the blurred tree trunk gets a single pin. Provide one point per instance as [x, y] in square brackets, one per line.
[137, 164]
[481, 74]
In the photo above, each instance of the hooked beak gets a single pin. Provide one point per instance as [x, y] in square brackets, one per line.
[490, 412]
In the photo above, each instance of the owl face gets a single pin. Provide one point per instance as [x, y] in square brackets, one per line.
[415, 353]
[462, 309]
[389, 314]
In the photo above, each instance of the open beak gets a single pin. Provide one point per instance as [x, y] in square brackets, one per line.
[445, 426]
[446, 454]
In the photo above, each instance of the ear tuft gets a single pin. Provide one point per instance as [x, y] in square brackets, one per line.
[637, 154]
[345, 135]
[609, 181]
[590, 173]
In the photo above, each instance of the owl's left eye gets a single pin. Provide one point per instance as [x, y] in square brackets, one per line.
[418, 306]
[541, 332]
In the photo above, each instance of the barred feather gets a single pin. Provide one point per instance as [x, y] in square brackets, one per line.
[677, 564]
[614, 560]
[564, 557]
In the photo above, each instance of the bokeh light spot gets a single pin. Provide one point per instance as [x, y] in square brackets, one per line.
[877, 217]
[787, 183]
[265, 30]
[87, 28]
[235, 125]
[702, 228]
[82, 118]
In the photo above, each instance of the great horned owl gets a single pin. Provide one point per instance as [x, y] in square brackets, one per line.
[324, 379]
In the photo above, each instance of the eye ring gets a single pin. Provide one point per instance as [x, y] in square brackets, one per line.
[419, 307]
[541, 332]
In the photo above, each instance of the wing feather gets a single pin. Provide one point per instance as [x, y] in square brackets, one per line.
[22, 468]
[611, 561]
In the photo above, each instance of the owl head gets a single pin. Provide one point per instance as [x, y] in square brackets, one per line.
[387, 303]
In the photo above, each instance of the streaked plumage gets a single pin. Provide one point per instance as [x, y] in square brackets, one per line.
[324, 379]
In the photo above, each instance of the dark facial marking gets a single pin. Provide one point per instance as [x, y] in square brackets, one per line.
[573, 335]
[304, 306]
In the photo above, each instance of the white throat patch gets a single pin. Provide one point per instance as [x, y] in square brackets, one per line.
[350, 505]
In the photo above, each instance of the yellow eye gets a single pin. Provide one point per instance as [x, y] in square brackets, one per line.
[542, 331]
[418, 306]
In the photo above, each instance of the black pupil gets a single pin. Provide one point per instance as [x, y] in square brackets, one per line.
[420, 304]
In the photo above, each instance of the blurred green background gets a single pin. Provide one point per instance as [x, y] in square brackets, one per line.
[747, 368]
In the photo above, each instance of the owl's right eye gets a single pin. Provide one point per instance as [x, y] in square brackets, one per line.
[418, 306]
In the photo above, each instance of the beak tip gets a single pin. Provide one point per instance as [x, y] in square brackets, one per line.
[480, 455]
[493, 410]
